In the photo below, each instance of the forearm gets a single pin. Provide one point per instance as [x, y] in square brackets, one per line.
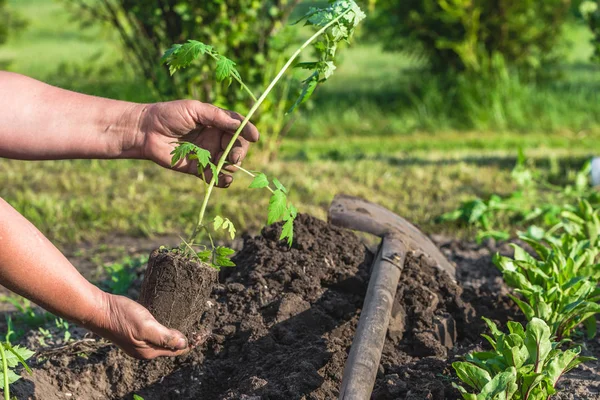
[41, 122]
[32, 267]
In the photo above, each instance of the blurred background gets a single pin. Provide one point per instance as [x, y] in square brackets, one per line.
[468, 117]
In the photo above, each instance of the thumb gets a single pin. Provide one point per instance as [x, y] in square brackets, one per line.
[162, 337]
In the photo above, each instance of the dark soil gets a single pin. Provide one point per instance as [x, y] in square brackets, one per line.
[283, 321]
[176, 290]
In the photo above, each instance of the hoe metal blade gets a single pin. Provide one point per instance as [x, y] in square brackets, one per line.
[360, 215]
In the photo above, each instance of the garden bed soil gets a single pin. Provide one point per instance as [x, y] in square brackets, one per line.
[283, 320]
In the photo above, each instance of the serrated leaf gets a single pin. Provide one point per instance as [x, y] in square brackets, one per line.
[260, 181]
[203, 157]
[225, 68]
[277, 206]
[12, 378]
[15, 354]
[204, 255]
[279, 185]
[287, 231]
[223, 251]
[181, 151]
[218, 222]
[308, 88]
[181, 56]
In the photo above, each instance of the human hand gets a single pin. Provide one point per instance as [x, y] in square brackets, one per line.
[161, 125]
[131, 327]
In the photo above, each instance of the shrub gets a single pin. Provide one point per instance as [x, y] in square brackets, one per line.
[254, 33]
[459, 35]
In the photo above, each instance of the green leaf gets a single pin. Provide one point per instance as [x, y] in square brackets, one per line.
[279, 185]
[181, 56]
[287, 231]
[502, 386]
[222, 257]
[225, 224]
[21, 354]
[277, 206]
[137, 397]
[204, 255]
[260, 181]
[537, 341]
[190, 151]
[472, 375]
[15, 354]
[12, 378]
[528, 383]
[308, 88]
[181, 151]
[225, 69]
[590, 327]
[223, 251]
[217, 222]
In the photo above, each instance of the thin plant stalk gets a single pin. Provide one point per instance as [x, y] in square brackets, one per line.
[5, 372]
[254, 108]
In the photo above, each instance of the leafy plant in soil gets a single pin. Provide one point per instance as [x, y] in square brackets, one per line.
[11, 357]
[560, 286]
[335, 23]
[178, 281]
[524, 364]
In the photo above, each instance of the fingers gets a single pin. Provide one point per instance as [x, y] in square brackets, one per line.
[209, 115]
[238, 151]
[224, 180]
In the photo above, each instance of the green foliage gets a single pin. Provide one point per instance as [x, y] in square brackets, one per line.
[568, 209]
[11, 356]
[464, 35]
[121, 275]
[10, 22]
[591, 13]
[524, 364]
[559, 286]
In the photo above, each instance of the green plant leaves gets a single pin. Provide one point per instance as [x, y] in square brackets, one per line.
[537, 341]
[308, 87]
[277, 206]
[190, 151]
[524, 365]
[182, 55]
[225, 70]
[472, 375]
[260, 181]
[225, 224]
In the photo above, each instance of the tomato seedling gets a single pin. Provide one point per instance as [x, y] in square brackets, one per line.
[334, 24]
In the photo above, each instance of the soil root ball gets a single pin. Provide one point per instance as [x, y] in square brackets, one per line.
[176, 290]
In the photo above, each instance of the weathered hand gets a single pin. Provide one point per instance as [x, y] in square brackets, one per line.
[131, 327]
[161, 125]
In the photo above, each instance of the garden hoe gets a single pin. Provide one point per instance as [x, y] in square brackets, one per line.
[399, 237]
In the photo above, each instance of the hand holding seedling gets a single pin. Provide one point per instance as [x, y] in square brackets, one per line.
[210, 128]
[41, 122]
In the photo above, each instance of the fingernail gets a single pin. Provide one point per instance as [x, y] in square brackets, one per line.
[181, 344]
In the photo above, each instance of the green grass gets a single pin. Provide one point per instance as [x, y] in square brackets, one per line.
[87, 200]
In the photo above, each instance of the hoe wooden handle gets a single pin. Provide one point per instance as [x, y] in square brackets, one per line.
[363, 361]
